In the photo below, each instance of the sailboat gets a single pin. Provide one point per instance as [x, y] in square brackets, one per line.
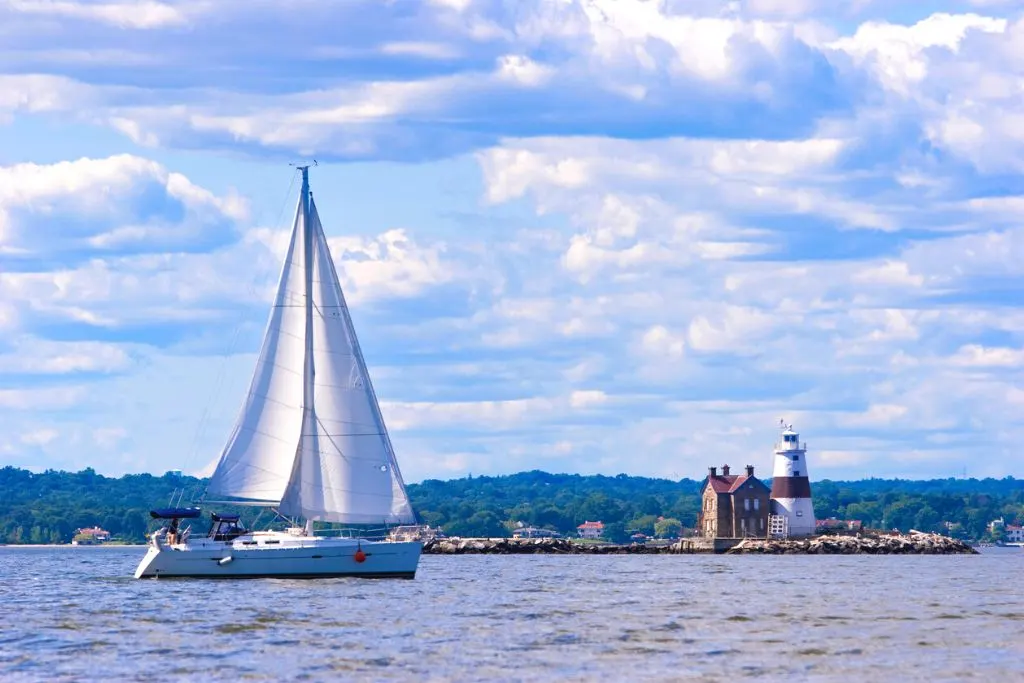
[310, 443]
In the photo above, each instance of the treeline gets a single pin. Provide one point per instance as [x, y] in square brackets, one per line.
[48, 507]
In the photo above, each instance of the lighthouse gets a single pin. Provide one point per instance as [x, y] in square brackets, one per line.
[791, 489]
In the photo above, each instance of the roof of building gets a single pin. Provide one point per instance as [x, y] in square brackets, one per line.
[723, 483]
[591, 525]
[729, 483]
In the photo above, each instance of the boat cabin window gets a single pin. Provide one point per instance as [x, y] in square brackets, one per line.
[226, 528]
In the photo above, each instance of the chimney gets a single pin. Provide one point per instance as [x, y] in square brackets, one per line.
[712, 471]
[725, 470]
[750, 470]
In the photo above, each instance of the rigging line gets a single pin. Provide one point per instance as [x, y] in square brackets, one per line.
[218, 385]
[330, 438]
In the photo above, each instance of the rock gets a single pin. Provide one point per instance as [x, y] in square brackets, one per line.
[916, 543]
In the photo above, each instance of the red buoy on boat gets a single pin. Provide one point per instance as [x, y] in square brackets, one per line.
[360, 556]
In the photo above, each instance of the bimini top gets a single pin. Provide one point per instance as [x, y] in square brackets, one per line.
[174, 513]
[223, 518]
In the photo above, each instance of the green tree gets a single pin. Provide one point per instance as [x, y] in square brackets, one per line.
[615, 532]
[644, 524]
[927, 520]
[668, 528]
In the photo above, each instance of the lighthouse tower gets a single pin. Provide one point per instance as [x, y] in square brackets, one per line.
[791, 489]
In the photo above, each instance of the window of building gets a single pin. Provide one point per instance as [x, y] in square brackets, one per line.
[796, 473]
[760, 523]
[796, 458]
[746, 503]
[757, 503]
[799, 513]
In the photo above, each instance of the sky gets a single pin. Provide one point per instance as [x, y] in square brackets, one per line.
[594, 236]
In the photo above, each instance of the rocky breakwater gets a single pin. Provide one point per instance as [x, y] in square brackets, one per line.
[914, 543]
[529, 546]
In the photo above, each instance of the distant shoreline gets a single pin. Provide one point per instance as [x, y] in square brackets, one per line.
[69, 545]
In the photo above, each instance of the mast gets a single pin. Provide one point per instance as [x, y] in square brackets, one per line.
[308, 408]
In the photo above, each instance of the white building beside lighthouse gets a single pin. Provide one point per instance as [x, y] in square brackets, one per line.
[791, 487]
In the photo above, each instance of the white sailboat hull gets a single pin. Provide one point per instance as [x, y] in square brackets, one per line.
[279, 555]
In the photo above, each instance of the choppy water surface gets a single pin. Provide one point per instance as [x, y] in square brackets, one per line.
[75, 614]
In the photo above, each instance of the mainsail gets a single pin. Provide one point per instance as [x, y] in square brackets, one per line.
[310, 439]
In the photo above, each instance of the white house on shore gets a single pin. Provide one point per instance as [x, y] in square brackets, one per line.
[590, 530]
[90, 536]
[533, 532]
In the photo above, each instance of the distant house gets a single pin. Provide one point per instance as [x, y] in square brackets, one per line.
[1014, 533]
[733, 505]
[996, 525]
[833, 524]
[533, 532]
[91, 536]
[590, 529]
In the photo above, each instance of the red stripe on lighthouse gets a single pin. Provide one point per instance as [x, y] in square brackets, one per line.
[791, 487]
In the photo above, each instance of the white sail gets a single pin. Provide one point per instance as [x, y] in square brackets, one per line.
[345, 470]
[256, 463]
[311, 438]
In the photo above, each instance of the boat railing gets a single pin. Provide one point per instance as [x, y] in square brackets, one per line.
[368, 534]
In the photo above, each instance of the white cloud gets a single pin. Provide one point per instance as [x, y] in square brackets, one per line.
[830, 459]
[976, 355]
[41, 93]
[896, 54]
[97, 201]
[45, 398]
[890, 324]
[875, 415]
[889, 273]
[141, 14]
[658, 341]
[457, 5]
[40, 356]
[109, 437]
[732, 329]
[522, 70]
[470, 415]
[414, 48]
[587, 398]
[40, 437]
[8, 315]
[388, 265]
[585, 369]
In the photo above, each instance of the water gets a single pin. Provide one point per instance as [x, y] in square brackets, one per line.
[75, 614]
